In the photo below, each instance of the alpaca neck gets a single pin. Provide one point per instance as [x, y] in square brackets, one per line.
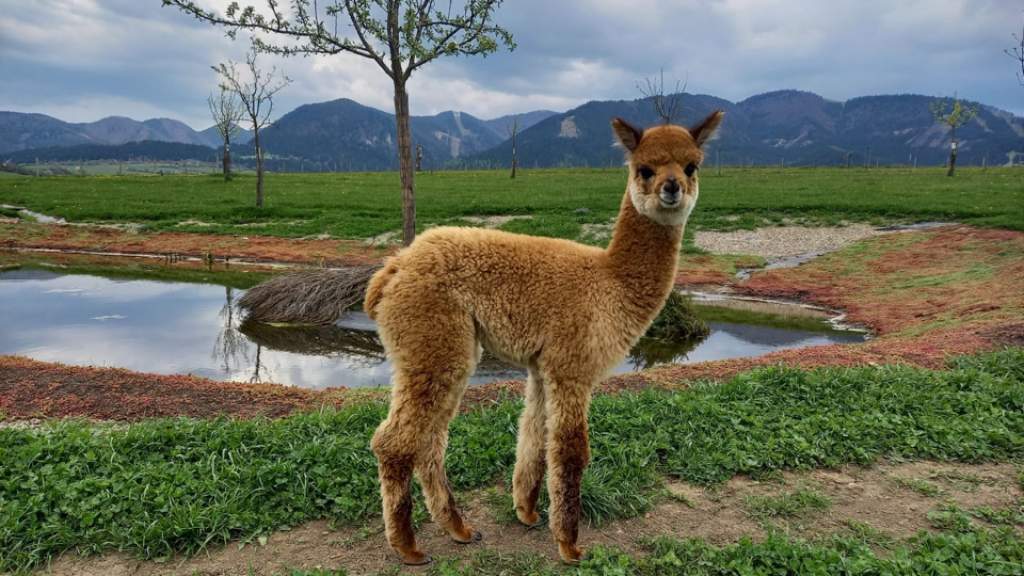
[643, 256]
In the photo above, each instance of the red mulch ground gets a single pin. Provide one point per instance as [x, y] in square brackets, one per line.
[330, 252]
[928, 296]
[31, 389]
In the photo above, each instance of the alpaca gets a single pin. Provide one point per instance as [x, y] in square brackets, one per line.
[565, 311]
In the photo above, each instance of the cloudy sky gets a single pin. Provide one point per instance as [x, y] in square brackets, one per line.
[81, 60]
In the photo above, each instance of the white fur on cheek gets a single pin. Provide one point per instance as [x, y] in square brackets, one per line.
[651, 207]
[637, 197]
[692, 203]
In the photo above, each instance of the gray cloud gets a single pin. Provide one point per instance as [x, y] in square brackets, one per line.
[84, 59]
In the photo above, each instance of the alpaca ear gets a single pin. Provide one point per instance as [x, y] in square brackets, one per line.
[706, 129]
[628, 136]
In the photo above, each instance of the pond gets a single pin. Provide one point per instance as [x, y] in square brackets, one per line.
[170, 327]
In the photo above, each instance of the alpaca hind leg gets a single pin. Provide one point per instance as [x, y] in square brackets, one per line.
[568, 453]
[433, 355]
[395, 467]
[440, 501]
[530, 447]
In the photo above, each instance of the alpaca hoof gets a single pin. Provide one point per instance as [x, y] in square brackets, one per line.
[475, 536]
[530, 519]
[415, 558]
[570, 553]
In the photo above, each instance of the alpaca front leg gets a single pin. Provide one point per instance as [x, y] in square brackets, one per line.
[529, 472]
[568, 452]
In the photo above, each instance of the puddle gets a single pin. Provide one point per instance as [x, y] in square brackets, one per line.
[36, 216]
[190, 328]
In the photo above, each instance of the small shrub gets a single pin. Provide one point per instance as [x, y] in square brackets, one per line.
[678, 321]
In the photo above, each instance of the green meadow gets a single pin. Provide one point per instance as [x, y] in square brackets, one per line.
[559, 202]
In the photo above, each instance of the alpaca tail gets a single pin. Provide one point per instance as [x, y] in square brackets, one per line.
[375, 289]
[307, 297]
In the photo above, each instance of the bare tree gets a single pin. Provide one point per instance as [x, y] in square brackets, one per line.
[513, 131]
[666, 106]
[400, 36]
[953, 113]
[1017, 53]
[255, 88]
[227, 112]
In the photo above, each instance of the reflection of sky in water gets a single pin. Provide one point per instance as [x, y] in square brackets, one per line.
[181, 328]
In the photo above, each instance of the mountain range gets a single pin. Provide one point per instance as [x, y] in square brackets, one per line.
[790, 127]
[345, 135]
[21, 131]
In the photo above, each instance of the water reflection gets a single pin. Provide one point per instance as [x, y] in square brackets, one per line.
[230, 347]
[183, 328]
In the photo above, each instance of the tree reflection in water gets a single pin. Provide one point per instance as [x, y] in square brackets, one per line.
[230, 348]
[650, 352]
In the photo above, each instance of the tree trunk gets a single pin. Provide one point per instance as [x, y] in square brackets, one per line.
[259, 167]
[515, 159]
[952, 155]
[227, 159]
[405, 163]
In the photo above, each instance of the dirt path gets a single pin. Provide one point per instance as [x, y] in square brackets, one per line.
[883, 504]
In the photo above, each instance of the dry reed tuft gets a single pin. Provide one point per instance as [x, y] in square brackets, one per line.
[308, 297]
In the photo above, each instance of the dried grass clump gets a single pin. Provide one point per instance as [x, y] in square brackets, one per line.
[308, 297]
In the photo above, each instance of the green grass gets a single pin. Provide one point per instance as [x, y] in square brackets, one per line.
[678, 320]
[919, 485]
[868, 535]
[963, 481]
[361, 205]
[164, 486]
[795, 504]
[315, 572]
[975, 552]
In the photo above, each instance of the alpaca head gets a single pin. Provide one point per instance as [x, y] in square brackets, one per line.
[663, 165]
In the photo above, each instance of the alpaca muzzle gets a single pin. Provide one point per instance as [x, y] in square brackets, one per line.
[670, 194]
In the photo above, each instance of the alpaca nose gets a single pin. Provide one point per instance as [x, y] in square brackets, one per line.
[669, 193]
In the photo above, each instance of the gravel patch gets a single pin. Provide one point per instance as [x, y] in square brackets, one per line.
[495, 221]
[784, 241]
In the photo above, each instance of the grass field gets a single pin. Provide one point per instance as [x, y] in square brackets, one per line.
[560, 202]
[160, 487]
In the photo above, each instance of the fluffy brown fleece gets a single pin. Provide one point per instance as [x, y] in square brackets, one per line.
[565, 311]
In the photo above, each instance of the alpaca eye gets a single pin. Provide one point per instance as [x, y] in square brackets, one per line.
[645, 172]
[690, 169]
